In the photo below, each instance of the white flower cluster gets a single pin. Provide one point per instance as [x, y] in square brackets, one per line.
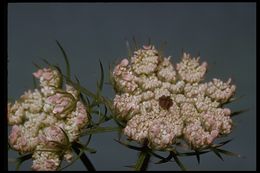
[41, 119]
[161, 102]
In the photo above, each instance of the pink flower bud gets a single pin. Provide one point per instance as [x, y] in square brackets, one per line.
[38, 74]
[41, 138]
[155, 129]
[214, 133]
[64, 103]
[124, 62]
[80, 119]
[47, 75]
[23, 141]
[127, 77]
[212, 136]
[204, 64]
[53, 98]
[147, 47]
[227, 111]
[117, 70]
[58, 109]
[50, 165]
[14, 134]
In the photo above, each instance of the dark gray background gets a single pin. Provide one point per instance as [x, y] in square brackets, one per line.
[223, 33]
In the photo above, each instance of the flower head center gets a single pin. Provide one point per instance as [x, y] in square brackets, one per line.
[165, 102]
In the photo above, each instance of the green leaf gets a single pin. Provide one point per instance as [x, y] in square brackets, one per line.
[88, 141]
[105, 114]
[21, 159]
[217, 153]
[84, 147]
[228, 152]
[102, 116]
[157, 155]
[49, 150]
[129, 146]
[82, 89]
[128, 49]
[77, 144]
[239, 112]
[135, 43]
[83, 100]
[91, 150]
[219, 144]
[120, 124]
[34, 82]
[58, 144]
[100, 130]
[66, 136]
[224, 142]
[197, 156]
[233, 99]
[165, 160]
[85, 160]
[17, 167]
[101, 82]
[25, 157]
[36, 65]
[46, 62]
[65, 58]
[77, 79]
[87, 99]
[192, 153]
[73, 161]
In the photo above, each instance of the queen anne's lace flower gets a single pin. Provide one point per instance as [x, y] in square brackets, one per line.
[42, 118]
[161, 102]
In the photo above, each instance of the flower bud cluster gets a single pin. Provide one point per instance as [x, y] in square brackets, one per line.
[45, 121]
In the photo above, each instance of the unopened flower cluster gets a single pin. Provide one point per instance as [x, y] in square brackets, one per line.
[162, 102]
[45, 121]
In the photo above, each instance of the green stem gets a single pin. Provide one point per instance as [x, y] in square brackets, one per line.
[143, 159]
[84, 159]
[178, 161]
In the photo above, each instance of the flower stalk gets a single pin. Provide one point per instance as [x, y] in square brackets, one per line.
[83, 157]
[143, 159]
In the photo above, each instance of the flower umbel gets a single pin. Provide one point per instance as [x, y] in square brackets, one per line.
[162, 102]
[46, 121]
